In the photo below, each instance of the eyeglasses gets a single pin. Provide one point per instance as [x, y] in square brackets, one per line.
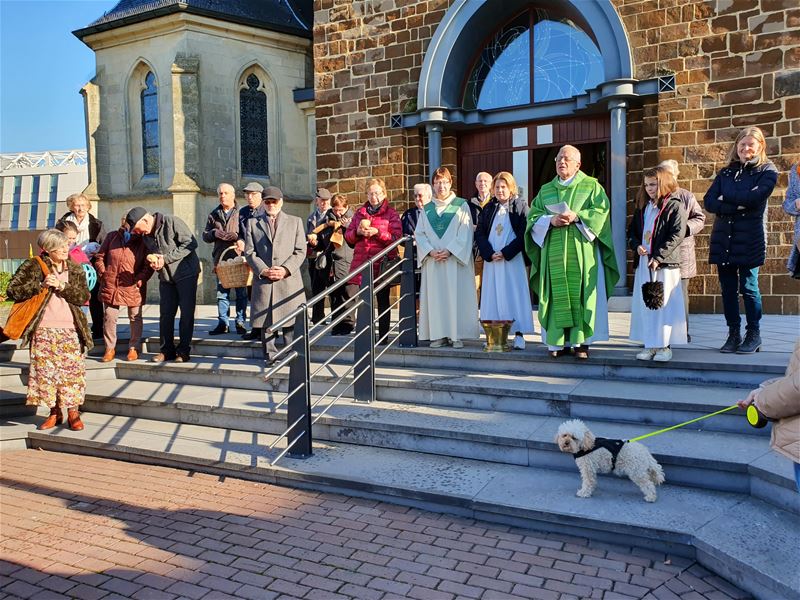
[565, 159]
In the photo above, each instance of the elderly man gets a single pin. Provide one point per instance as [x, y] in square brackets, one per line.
[483, 193]
[573, 268]
[172, 253]
[319, 282]
[252, 195]
[222, 230]
[422, 195]
[274, 245]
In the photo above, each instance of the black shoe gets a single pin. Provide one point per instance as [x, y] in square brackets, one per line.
[240, 328]
[219, 330]
[253, 334]
[751, 343]
[733, 342]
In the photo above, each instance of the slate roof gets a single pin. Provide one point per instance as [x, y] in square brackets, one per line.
[286, 16]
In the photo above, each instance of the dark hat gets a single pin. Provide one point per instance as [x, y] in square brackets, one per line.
[272, 192]
[324, 194]
[254, 187]
[135, 215]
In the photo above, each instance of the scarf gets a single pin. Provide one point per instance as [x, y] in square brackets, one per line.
[441, 212]
[373, 210]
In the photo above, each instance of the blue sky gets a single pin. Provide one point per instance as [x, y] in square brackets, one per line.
[42, 69]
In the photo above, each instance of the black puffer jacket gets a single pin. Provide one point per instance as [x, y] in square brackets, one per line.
[668, 233]
[738, 197]
[517, 214]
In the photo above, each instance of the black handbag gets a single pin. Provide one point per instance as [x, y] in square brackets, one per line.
[321, 261]
[653, 292]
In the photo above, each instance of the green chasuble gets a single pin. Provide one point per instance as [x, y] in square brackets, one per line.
[564, 270]
[438, 222]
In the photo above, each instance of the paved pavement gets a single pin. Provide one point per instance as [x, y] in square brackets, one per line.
[83, 527]
[778, 332]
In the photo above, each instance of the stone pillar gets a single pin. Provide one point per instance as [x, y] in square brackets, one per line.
[91, 115]
[186, 123]
[618, 170]
[434, 131]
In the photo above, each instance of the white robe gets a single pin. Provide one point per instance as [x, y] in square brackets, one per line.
[448, 304]
[504, 291]
[667, 325]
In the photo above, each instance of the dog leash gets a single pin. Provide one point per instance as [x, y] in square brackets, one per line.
[660, 431]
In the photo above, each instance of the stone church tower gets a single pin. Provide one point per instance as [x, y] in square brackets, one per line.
[193, 93]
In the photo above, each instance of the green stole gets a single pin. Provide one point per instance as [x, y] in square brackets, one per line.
[438, 222]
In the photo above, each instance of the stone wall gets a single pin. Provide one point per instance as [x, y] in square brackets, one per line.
[736, 63]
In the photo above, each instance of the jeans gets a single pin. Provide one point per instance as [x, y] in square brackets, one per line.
[224, 303]
[735, 280]
[175, 295]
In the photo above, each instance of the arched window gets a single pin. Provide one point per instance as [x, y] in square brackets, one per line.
[538, 55]
[253, 127]
[149, 103]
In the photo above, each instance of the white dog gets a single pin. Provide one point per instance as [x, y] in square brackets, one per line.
[600, 455]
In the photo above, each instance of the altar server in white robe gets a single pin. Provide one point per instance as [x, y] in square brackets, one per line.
[500, 236]
[448, 308]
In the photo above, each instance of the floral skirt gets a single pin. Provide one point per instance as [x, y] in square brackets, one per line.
[58, 371]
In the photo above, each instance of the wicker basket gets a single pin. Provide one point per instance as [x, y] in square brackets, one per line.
[233, 274]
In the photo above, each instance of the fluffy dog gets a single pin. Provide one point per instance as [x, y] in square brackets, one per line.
[596, 455]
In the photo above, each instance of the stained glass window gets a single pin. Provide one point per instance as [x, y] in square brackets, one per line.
[538, 55]
[150, 150]
[253, 125]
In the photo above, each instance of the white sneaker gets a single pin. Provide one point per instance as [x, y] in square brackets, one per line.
[457, 344]
[646, 354]
[440, 343]
[663, 355]
[519, 342]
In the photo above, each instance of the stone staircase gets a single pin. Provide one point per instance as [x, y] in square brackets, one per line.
[469, 433]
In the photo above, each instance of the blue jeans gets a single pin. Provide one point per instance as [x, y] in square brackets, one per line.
[224, 303]
[735, 280]
[797, 475]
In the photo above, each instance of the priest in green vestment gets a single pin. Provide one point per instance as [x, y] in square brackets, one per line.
[573, 266]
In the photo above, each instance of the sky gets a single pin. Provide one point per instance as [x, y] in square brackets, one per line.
[42, 69]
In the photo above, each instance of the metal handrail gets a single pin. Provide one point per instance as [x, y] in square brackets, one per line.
[298, 352]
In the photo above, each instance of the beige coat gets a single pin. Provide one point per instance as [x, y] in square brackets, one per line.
[780, 400]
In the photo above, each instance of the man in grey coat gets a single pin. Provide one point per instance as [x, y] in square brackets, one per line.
[172, 254]
[275, 248]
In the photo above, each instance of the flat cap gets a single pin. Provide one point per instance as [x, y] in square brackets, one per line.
[272, 192]
[324, 194]
[254, 187]
[135, 215]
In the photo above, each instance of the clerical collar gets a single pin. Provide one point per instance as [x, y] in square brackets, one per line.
[567, 181]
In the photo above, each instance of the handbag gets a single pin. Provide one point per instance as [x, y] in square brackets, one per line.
[653, 292]
[321, 261]
[22, 313]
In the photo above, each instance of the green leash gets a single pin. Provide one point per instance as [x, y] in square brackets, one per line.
[647, 435]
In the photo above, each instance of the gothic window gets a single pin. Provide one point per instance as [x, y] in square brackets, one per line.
[253, 127]
[537, 56]
[149, 103]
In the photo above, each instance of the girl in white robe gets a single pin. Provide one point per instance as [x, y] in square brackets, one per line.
[656, 230]
[448, 305]
[500, 236]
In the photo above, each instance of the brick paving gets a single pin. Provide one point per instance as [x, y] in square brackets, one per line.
[92, 528]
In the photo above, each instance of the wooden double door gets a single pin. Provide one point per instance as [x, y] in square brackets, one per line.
[528, 151]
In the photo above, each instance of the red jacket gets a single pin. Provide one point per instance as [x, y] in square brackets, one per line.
[390, 229]
[123, 270]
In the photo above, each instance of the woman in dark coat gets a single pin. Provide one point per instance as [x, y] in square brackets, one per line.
[58, 334]
[91, 234]
[738, 197]
[123, 271]
[338, 257]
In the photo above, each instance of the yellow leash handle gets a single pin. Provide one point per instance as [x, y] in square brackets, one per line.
[647, 435]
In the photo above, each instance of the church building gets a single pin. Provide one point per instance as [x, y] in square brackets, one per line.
[299, 94]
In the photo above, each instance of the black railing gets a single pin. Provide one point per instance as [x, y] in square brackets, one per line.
[297, 354]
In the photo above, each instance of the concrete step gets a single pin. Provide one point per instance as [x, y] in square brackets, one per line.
[749, 542]
[12, 402]
[608, 400]
[711, 460]
[607, 361]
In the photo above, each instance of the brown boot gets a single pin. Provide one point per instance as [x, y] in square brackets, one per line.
[74, 419]
[56, 418]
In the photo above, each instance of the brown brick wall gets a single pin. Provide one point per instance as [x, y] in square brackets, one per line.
[736, 63]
